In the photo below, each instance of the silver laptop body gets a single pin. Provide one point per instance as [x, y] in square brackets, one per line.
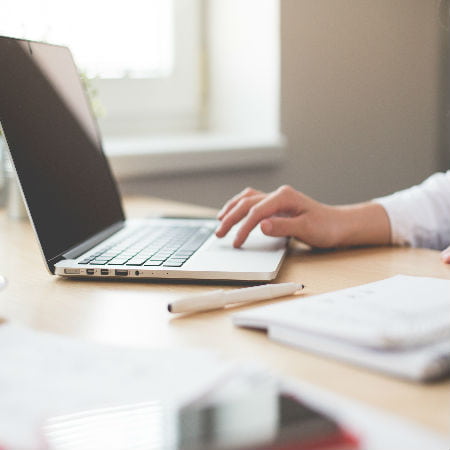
[73, 200]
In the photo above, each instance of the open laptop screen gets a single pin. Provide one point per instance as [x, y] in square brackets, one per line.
[55, 145]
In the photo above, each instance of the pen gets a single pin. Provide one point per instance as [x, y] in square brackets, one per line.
[219, 298]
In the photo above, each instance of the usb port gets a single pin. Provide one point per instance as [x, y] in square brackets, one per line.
[104, 271]
[90, 271]
[121, 273]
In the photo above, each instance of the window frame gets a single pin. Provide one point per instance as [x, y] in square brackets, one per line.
[240, 101]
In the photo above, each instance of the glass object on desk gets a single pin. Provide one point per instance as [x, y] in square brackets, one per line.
[2, 172]
[222, 426]
[10, 193]
[2, 285]
[248, 412]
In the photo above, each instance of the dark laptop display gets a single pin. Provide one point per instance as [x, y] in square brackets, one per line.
[55, 146]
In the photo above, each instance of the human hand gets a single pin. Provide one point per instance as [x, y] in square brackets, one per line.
[284, 212]
[445, 255]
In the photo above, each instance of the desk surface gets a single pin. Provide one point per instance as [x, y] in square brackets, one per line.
[134, 313]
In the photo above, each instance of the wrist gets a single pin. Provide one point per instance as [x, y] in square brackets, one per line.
[363, 224]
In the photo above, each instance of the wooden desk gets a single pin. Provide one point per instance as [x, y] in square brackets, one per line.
[134, 313]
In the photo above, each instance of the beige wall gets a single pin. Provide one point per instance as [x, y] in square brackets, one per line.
[362, 104]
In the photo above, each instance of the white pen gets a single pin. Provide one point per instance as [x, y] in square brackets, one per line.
[219, 298]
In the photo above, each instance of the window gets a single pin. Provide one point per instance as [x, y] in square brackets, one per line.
[142, 55]
[185, 85]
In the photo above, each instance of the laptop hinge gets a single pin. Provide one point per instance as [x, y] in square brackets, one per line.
[78, 250]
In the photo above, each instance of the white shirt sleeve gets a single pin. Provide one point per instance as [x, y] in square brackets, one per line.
[420, 215]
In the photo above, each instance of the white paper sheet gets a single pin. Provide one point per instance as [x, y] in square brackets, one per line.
[43, 375]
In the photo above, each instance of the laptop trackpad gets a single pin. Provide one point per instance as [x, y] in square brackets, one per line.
[259, 253]
[256, 241]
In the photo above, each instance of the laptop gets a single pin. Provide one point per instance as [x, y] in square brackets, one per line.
[73, 200]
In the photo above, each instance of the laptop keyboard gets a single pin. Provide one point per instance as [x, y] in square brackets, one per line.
[150, 246]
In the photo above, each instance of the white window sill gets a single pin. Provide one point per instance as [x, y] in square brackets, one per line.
[139, 156]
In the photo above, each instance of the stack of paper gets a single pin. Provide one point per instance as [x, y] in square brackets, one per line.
[400, 325]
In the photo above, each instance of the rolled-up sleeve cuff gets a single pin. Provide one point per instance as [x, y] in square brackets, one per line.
[401, 230]
[420, 216]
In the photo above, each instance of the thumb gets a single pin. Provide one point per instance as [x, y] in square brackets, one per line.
[280, 226]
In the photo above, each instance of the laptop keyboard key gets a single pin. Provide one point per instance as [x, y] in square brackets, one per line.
[174, 263]
[85, 261]
[118, 261]
[136, 261]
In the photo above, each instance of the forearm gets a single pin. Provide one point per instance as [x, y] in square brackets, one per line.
[363, 224]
